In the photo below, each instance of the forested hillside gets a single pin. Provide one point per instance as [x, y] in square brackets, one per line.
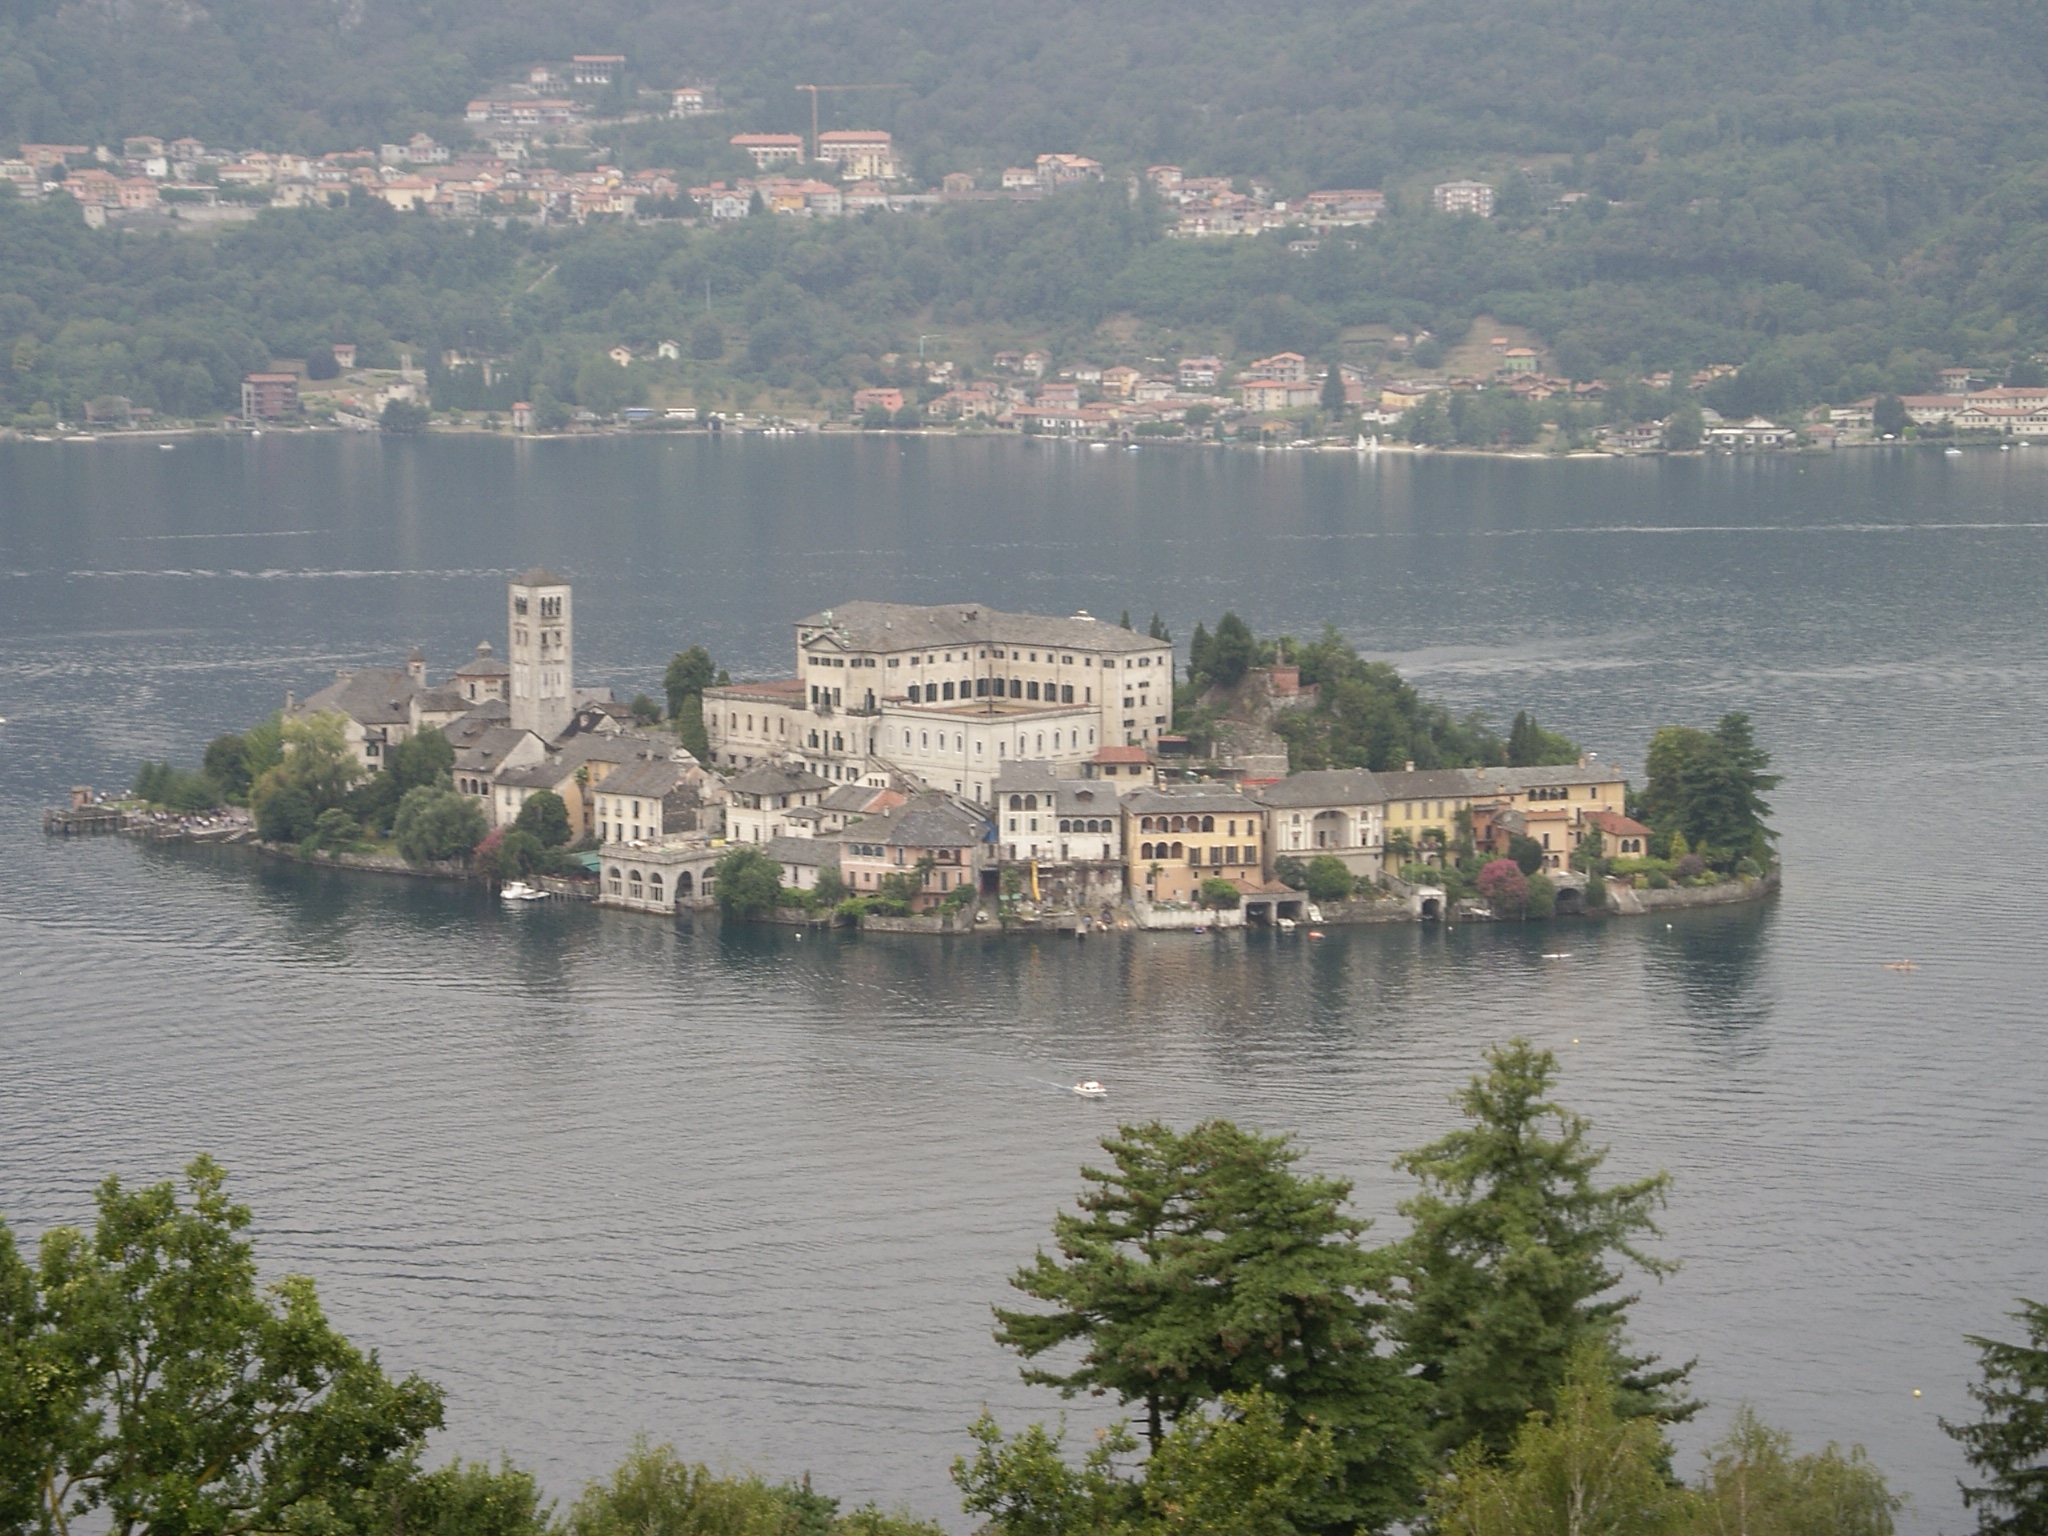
[1337, 93]
[1839, 196]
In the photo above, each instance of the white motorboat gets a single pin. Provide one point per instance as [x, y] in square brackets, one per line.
[519, 890]
[1286, 925]
[1091, 1089]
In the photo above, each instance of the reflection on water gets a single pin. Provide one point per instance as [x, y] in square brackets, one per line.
[755, 1192]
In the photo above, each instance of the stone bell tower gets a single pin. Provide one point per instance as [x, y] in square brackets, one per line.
[542, 632]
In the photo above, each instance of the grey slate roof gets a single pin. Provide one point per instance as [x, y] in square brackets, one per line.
[485, 664]
[1328, 786]
[867, 626]
[851, 799]
[369, 696]
[774, 779]
[1431, 784]
[1212, 800]
[1068, 797]
[802, 850]
[484, 750]
[540, 576]
[649, 779]
[542, 775]
[1522, 780]
[931, 820]
[444, 701]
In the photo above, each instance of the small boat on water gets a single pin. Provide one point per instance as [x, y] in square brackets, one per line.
[519, 890]
[1091, 1089]
[1900, 965]
[1286, 924]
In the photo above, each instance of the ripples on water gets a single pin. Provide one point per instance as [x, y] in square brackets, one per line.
[756, 1193]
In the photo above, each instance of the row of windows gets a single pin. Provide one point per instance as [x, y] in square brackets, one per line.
[985, 687]
[1186, 824]
[1408, 810]
[1072, 742]
[1219, 856]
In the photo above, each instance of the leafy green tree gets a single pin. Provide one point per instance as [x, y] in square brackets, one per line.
[2008, 1446]
[263, 746]
[176, 789]
[426, 758]
[1332, 399]
[1530, 746]
[1025, 1486]
[1511, 1263]
[1526, 852]
[322, 364]
[1888, 416]
[654, 1492]
[1220, 894]
[545, 816]
[707, 340]
[1580, 1468]
[171, 1394]
[1755, 1486]
[518, 854]
[1542, 898]
[287, 815]
[1709, 786]
[437, 824]
[644, 710]
[335, 829]
[1684, 428]
[314, 757]
[1291, 871]
[1203, 1264]
[749, 884]
[1329, 878]
[1246, 1471]
[404, 416]
[227, 764]
[1251, 1470]
[1157, 629]
[688, 675]
[1230, 652]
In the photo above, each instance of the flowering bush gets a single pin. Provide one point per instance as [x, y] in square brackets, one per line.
[1505, 887]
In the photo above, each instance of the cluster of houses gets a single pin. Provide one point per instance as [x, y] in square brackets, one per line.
[152, 177]
[932, 749]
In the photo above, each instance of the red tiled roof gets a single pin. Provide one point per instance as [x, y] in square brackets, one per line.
[1614, 824]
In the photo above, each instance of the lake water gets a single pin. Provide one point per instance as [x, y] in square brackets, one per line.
[755, 1194]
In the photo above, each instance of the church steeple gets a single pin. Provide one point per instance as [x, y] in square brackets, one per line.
[542, 635]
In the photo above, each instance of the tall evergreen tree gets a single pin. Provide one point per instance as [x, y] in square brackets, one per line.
[2008, 1446]
[1201, 1265]
[1512, 1260]
[1157, 629]
[1710, 785]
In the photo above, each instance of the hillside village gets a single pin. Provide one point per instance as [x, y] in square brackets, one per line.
[956, 756]
[1496, 387]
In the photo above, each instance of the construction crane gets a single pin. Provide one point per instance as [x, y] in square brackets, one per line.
[814, 89]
